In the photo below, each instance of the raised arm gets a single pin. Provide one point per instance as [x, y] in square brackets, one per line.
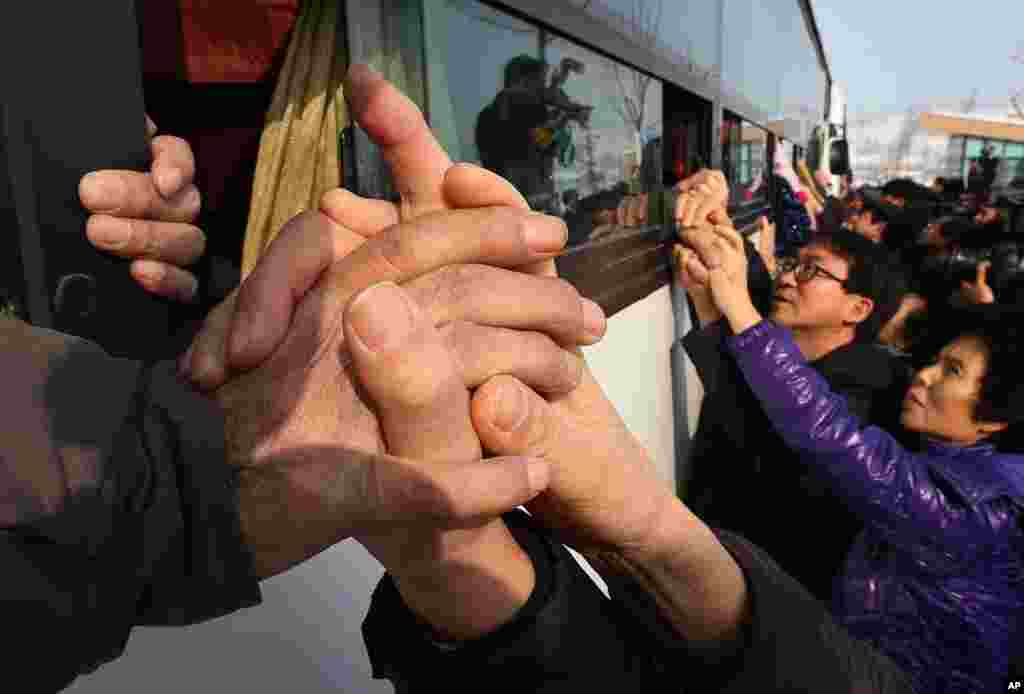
[883, 482]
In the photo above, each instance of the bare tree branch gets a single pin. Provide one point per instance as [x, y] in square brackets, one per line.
[1017, 95]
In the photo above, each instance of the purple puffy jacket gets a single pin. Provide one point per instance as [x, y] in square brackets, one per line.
[936, 580]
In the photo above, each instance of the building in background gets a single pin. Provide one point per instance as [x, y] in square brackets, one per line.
[940, 139]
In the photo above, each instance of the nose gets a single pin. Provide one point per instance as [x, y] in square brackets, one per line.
[925, 376]
[786, 277]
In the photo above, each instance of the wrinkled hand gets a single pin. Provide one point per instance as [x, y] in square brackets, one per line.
[245, 329]
[721, 264]
[299, 387]
[149, 217]
[301, 428]
[703, 198]
[978, 291]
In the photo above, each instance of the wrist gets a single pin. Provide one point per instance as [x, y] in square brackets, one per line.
[740, 312]
[704, 306]
[471, 591]
[696, 582]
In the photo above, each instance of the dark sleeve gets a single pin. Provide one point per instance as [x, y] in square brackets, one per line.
[116, 507]
[793, 644]
[568, 634]
[704, 347]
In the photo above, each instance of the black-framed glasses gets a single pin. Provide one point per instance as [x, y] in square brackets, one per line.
[804, 271]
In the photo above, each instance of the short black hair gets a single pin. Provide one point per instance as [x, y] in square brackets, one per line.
[1001, 329]
[522, 66]
[874, 274]
[910, 190]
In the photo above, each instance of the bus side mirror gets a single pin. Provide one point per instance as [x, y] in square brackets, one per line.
[839, 158]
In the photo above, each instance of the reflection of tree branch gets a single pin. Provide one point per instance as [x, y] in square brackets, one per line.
[1017, 96]
[644, 23]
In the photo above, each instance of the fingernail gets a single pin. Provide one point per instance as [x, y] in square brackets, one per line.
[593, 318]
[509, 407]
[102, 192]
[538, 473]
[381, 316]
[148, 271]
[545, 234]
[109, 232]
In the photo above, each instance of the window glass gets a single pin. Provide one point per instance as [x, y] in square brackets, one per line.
[1014, 150]
[578, 134]
[686, 32]
[974, 148]
[770, 60]
[744, 156]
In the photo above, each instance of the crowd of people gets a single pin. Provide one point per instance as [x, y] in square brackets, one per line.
[878, 404]
[351, 384]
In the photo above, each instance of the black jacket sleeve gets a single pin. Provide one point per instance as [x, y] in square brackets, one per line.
[568, 634]
[116, 506]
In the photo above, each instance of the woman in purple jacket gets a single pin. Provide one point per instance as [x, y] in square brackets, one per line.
[936, 580]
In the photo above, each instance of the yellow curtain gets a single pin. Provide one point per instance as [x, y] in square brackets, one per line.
[299, 150]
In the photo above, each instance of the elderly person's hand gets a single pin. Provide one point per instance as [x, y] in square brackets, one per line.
[703, 198]
[150, 217]
[291, 304]
[245, 329]
[721, 264]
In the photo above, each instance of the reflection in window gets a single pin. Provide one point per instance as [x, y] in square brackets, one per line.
[686, 32]
[744, 156]
[572, 130]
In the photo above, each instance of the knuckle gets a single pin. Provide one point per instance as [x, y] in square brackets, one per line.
[144, 241]
[507, 223]
[459, 285]
[394, 248]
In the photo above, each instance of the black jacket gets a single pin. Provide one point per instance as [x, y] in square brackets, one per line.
[569, 635]
[116, 506]
[744, 478]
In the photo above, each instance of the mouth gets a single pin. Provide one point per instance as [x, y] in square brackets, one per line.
[780, 299]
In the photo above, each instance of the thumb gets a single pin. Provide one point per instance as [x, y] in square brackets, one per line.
[453, 494]
[511, 419]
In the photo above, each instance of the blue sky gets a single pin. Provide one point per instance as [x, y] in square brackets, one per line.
[891, 54]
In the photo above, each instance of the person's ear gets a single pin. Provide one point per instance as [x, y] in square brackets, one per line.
[858, 308]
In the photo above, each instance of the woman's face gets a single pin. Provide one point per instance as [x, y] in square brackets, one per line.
[940, 402]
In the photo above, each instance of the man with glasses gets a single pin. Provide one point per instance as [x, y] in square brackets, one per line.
[834, 296]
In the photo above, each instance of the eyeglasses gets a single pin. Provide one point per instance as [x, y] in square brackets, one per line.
[804, 271]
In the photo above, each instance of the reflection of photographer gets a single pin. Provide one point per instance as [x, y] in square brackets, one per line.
[524, 130]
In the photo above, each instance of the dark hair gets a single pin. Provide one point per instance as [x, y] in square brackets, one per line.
[909, 190]
[1001, 329]
[521, 67]
[873, 274]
